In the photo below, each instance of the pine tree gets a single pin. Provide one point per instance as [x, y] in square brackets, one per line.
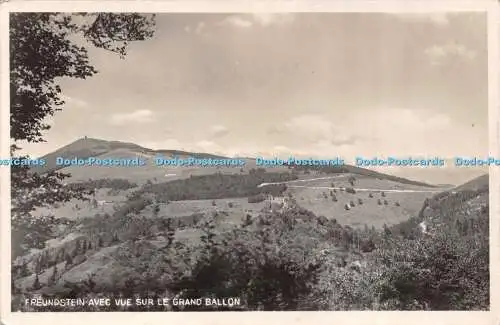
[45, 260]
[53, 277]
[90, 283]
[36, 284]
[83, 246]
[62, 254]
[156, 210]
[387, 231]
[170, 232]
[38, 266]
[24, 271]
[77, 246]
[69, 260]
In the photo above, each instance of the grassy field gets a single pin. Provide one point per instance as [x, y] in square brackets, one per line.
[308, 191]
[400, 205]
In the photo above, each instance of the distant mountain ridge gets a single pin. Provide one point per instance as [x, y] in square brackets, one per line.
[480, 184]
[92, 147]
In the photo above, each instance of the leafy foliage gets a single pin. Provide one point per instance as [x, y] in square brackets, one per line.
[293, 260]
[43, 49]
[441, 273]
[350, 190]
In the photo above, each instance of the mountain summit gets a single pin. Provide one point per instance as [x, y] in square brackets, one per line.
[91, 147]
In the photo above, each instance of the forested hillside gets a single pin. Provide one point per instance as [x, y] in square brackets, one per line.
[288, 260]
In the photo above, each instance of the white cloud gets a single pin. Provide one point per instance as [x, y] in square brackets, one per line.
[207, 146]
[314, 135]
[404, 131]
[439, 19]
[438, 121]
[267, 19]
[317, 129]
[259, 19]
[204, 146]
[138, 116]
[400, 119]
[282, 149]
[380, 131]
[436, 18]
[439, 53]
[218, 131]
[237, 21]
[200, 27]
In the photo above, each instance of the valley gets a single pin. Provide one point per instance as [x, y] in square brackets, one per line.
[144, 232]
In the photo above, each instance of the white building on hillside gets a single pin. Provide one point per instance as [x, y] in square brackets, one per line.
[423, 227]
[279, 201]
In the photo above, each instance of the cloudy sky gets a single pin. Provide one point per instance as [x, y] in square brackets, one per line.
[304, 84]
